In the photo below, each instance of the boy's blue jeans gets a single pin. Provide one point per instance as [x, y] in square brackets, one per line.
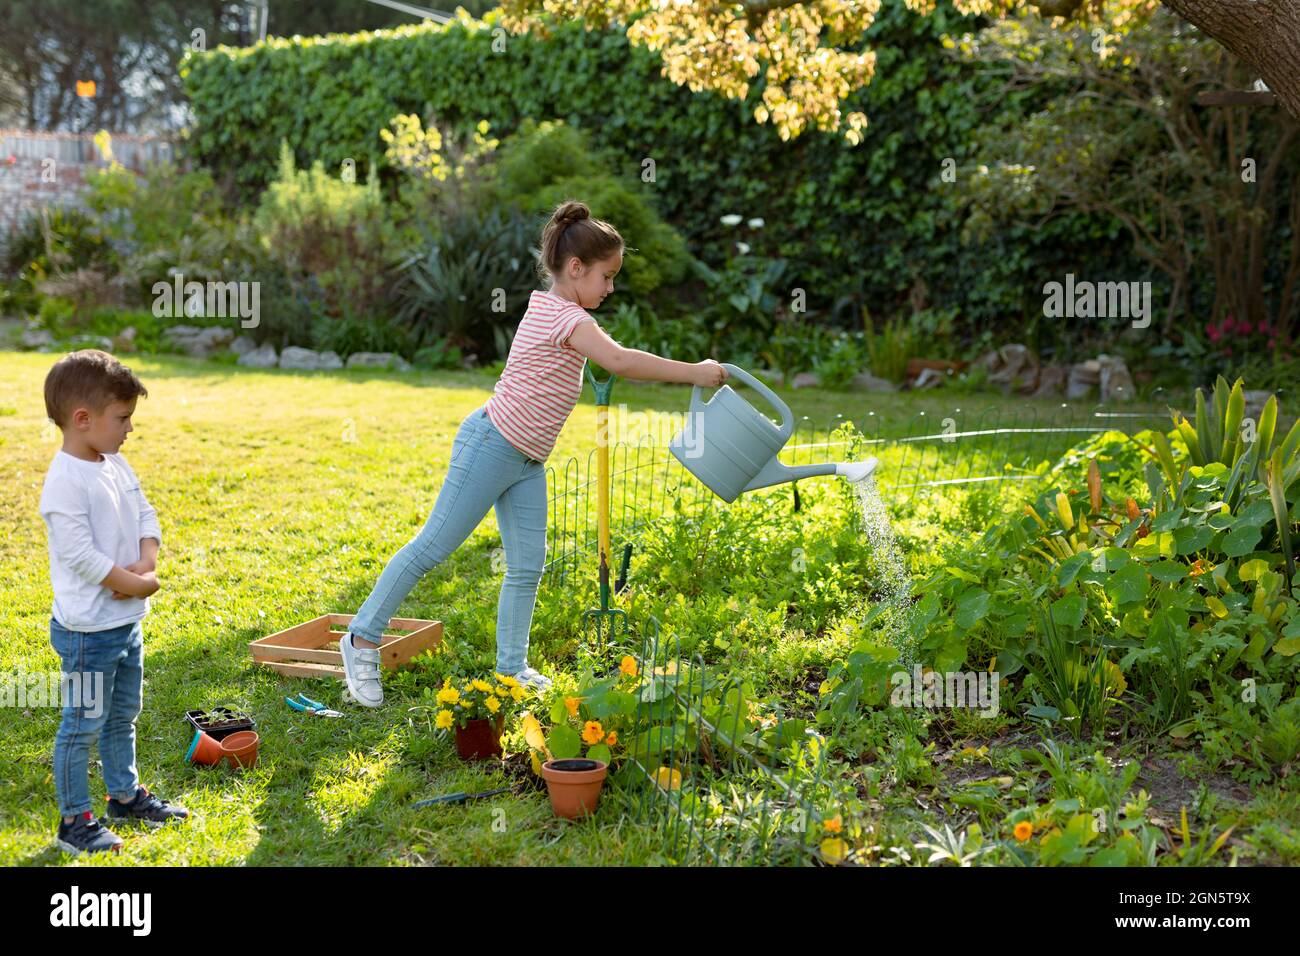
[117, 654]
[486, 471]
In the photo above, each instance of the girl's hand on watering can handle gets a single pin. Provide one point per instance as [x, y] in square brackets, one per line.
[709, 374]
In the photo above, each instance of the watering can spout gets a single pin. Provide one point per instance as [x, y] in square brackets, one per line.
[775, 473]
[856, 471]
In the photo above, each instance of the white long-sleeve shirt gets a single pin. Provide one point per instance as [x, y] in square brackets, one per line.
[95, 513]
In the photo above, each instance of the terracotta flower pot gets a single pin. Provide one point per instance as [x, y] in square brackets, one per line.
[240, 749]
[480, 739]
[204, 749]
[574, 785]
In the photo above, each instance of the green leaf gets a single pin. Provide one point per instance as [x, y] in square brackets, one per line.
[971, 607]
[1241, 540]
[1168, 571]
[1128, 585]
[1189, 540]
[1069, 610]
[563, 741]
[1071, 567]
[599, 752]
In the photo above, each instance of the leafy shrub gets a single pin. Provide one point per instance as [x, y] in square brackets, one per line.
[889, 349]
[469, 284]
[546, 163]
[338, 232]
[52, 242]
[638, 326]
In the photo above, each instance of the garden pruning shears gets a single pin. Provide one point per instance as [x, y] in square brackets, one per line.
[306, 705]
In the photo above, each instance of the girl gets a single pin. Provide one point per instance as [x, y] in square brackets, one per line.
[499, 454]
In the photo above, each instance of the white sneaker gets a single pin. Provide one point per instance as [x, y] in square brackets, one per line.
[361, 668]
[531, 678]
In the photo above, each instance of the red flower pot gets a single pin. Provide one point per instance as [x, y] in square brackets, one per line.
[480, 739]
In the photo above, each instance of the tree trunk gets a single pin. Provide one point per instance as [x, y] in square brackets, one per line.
[1263, 33]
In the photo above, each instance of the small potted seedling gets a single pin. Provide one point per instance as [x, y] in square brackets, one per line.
[574, 782]
[477, 709]
[585, 720]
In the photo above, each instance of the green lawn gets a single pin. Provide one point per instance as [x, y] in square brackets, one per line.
[282, 495]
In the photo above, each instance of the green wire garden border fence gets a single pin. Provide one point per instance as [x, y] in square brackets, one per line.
[928, 452]
[723, 782]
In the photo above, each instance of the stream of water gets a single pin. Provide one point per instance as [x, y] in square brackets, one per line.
[895, 585]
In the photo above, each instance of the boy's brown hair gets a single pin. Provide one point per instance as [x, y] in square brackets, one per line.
[571, 231]
[88, 378]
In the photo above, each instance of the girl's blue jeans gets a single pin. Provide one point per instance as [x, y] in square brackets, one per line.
[486, 471]
[117, 654]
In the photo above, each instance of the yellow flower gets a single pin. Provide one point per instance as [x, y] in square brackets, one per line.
[592, 732]
[517, 693]
[502, 691]
[834, 850]
[448, 695]
[444, 719]
[833, 825]
[612, 739]
[668, 778]
[1024, 830]
[571, 705]
[628, 665]
[482, 685]
[492, 704]
[508, 681]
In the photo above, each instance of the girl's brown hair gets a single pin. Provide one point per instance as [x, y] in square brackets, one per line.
[572, 232]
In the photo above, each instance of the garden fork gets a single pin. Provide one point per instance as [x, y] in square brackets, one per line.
[608, 623]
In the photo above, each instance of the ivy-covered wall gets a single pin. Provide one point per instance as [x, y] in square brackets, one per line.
[860, 224]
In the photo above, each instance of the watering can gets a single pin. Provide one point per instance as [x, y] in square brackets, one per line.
[731, 446]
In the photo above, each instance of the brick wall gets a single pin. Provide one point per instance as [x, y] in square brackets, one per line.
[49, 169]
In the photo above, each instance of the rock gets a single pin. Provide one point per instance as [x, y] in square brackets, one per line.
[1051, 381]
[870, 383]
[262, 357]
[929, 378]
[200, 342]
[125, 341]
[806, 380]
[1081, 380]
[378, 360]
[1116, 382]
[300, 358]
[329, 360]
[243, 345]
[1013, 367]
[35, 338]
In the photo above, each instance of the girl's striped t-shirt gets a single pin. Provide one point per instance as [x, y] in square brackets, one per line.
[542, 380]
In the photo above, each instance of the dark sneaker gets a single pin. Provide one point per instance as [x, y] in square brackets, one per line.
[85, 835]
[152, 810]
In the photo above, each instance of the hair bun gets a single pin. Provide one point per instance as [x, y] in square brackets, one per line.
[571, 211]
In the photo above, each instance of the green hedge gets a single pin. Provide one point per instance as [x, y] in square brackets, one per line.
[859, 224]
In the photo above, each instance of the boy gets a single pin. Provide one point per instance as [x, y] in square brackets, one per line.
[103, 541]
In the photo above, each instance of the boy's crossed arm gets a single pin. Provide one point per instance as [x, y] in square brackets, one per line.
[143, 570]
[71, 537]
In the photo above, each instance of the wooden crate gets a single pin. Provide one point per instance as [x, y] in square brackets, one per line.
[311, 649]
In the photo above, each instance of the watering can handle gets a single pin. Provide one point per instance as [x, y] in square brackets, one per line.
[787, 418]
